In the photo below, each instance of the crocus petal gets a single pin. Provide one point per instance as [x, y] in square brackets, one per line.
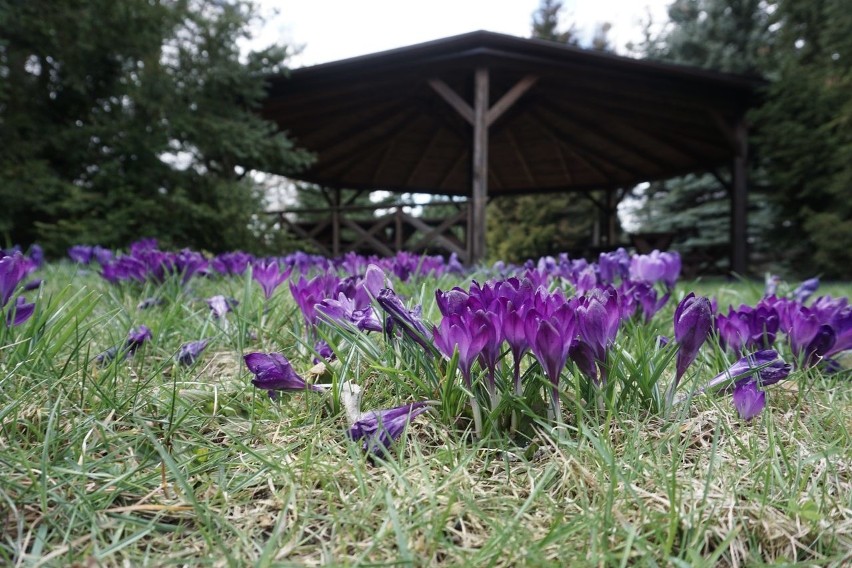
[273, 372]
[137, 337]
[190, 351]
[692, 322]
[380, 428]
[766, 365]
[748, 399]
[21, 312]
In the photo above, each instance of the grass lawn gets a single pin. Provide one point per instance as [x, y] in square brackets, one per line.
[145, 462]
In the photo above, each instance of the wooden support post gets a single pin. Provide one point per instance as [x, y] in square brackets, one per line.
[480, 116]
[739, 202]
[480, 164]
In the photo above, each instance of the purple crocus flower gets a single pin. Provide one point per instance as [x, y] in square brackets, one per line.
[584, 357]
[81, 254]
[598, 319]
[514, 332]
[232, 263]
[692, 322]
[13, 269]
[613, 266]
[551, 328]
[190, 351]
[809, 336]
[273, 373]
[656, 267]
[308, 293]
[771, 288]
[748, 328]
[20, 313]
[805, 290]
[136, 337]
[323, 349]
[188, 263]
[344, 310]
[632, 293]
[270, 276]
[585, 280]
[36, 254]
[748, 399]
[765, 367]
[751, 373]
[408, 320]
[378, 429]
[220, 305]
[452, 302]
[468, 332]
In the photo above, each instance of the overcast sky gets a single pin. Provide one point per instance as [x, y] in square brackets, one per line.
[329, 30]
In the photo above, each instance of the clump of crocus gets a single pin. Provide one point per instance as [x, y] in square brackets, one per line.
[656, 267]
[747, 378]
[190, 351]
[551, 330]
[748, 328]
[692, 322]
[269, 275]
[598, 319]
[353, 303]
[640, 294]
[232, 263]
[308, 293]
[84, 254]
[274, 373]
[467, 333]
[613, 266]
[136, 337]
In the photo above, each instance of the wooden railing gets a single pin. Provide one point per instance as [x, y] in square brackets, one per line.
[338, 230]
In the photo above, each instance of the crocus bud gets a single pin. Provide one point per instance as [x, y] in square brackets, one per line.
[692, 321]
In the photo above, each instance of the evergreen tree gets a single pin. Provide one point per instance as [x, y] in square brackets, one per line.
[725, 35]
[805, 134]
[122, 119]
[530, 226]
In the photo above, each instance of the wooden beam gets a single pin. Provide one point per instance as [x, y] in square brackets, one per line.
[582, 150]
[440, 239]
[368, 236]
[453, 99]
[309, 237]
[511, 96]
[739, 202]
[480, 164]
[447, 223]
[598, 129]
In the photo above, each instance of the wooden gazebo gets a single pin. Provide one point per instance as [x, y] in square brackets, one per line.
[484, 115]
